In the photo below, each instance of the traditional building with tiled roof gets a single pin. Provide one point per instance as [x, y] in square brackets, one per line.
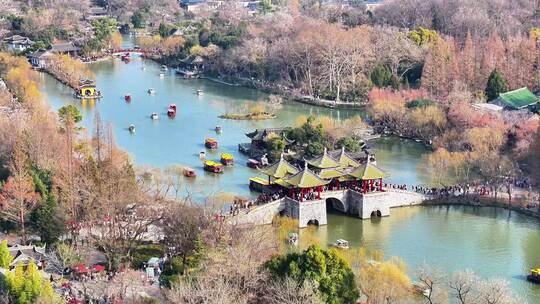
[517, 100]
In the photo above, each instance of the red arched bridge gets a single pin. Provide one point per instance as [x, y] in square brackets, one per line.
[131, 50]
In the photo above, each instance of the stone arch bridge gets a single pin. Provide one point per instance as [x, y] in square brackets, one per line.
[346, 201]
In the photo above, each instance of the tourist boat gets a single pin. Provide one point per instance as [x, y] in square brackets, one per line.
[127, 97]
[202, 155]
[172, 106]
[534, 276]
[252, 163]
[164, 68]
[218, 129]
[154, 116]
[151, 91]
[212, 166]
[171, 113]
[227, 159]
[199, 92]
[211, 143]
[341, 244]
[131, 128]
[258, 184]
[189, 172]
[292, 238]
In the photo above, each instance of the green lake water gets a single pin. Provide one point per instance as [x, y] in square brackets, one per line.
[489, 241]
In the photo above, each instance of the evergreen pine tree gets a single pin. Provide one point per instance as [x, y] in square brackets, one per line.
[47, 220]
[381, 76]
[496, 84]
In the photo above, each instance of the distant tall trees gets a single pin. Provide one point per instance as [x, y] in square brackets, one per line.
[457, 17]
[447, 64]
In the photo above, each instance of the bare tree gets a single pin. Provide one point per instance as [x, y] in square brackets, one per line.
[432, 280]
[182, 227]
[463, 285]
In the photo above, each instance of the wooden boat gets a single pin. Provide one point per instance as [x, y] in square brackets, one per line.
[199, 92]
[211, 143]
[227, 159]
[151, 91]
[127, 97]
[154, 116]
[534, 276]
[131, 128]
[189, 172]
[171, 113]
[172, 106]
[218, 129]
[341, 244]
[212, 166]
[252, 163]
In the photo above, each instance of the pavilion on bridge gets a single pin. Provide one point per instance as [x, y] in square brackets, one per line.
[322, 173]
[367, 173]
[303, 185]
[279, 170]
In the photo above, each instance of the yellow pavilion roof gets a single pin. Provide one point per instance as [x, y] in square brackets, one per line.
[306, 179]
[324, 161]
[280, 169]
[367, 172]
[345, 160]
[330, 173]
[281, 182]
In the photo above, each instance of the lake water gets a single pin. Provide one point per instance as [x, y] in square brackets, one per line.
[490, 241]
[486, 240]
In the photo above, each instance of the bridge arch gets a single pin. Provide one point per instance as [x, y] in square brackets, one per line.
[376, 213]
[333, 203]
[313, 222]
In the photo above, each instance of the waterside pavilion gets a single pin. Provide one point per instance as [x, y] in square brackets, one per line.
[303, 184]
[279, 170]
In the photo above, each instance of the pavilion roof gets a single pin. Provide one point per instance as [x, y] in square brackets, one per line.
[280, 169]
[345, 160]
[330, 173]
[324, 161]
[368, 171]
[281, 182]
[306, 179]
[263, 134]
[518, 99]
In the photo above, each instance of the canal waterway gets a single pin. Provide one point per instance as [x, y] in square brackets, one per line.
[489, 241]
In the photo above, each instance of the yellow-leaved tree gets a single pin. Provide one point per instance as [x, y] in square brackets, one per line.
[384, 281]
[28, 286]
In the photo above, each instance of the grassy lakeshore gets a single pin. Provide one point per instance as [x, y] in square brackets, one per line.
[249, 116]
